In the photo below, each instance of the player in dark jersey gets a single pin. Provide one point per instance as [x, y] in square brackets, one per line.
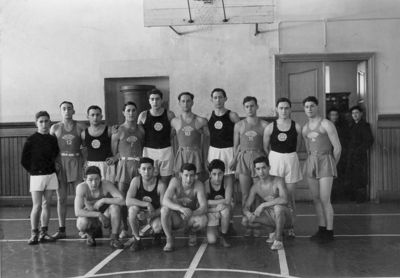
[191, 134]
[220, 203]
[323, 147]
[157, 140]
[184, 206]
[98, 203]
[144, 199]
[97, 141]
[282, 139]
[68, 133]
[127, 145]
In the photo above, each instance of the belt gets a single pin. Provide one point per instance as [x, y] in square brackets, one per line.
[70, 154]
[129, 158]
[194, 148]
[319, 153]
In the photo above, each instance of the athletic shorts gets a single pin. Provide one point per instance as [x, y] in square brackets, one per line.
[193, 221]
[225, 154]
[320, 166]
[215, 217]
[71, 168]
[107, 171]
[43, 182]
[188, 155]
[245, 163]
[163, 160]
[269, 213]
[285, 165]
[127, 169]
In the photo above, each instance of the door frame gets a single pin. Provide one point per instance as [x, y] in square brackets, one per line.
[371, 100]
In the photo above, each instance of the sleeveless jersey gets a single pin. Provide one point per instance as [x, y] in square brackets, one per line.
[221, 130]
[186, 200]
[284, 141]
[216, 194]
[130, 145]
[69, 141]
[188, 135]
[252, 137]
[149, 196]
[157, 131]
[318, 142]
[98, 148]
[90, 200]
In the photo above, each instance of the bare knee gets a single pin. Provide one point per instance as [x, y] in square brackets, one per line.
[165, 211]
[82, 223]
[133, 211]
[156, 225]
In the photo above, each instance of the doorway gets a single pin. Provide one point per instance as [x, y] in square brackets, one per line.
[329, 77]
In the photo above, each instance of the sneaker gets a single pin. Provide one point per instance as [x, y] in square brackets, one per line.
[45, 237]
[169, 246]
[277, 245]
[82, 235]
[115, 243]
[192, 239]
[34, 239]
[327, 237]
[248, 233]
[271, 238]
[136, 245]
[123, 234]
[224, 242]
[59, 235]
[318, 235]
[90, 241]
[156, 239]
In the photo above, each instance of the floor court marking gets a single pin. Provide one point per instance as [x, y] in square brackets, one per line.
[183, 269]
[196, 260]
[283, 265]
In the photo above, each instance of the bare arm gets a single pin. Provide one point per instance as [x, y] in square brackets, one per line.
[236, 143]
[305, 138]
[142, 118]
[333, 137]
[79, 203]
[169, 194]
[205, 140]
[267, 137]
[201, 199]
[161, 192]
[114, 143]
[299, 137]
[234, 117]
[249, 201]
[117, 197]
[131, 195]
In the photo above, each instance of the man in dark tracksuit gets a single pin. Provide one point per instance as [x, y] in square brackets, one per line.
[357, 164]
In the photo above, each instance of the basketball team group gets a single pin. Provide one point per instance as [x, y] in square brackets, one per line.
[158, 172]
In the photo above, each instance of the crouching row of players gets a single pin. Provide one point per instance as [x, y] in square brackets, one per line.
[186, 203]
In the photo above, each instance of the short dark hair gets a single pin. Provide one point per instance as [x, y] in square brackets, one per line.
[216, 164]
[356, 107]
[261, 159]
[283, 99]
[94, 107]
[332, 109]
[187, 94]
[310, 99]
[144, 160]
[129, 103]
[154, 92]
[218, 90]
[188, 167]
[249, 98]
[92, 170]
[66, 102]
[41, 114]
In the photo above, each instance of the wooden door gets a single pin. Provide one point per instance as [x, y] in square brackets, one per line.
[296, 81]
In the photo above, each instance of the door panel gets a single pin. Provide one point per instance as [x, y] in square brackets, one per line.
[298, 81]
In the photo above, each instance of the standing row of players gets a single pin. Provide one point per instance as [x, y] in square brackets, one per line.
[237, 143]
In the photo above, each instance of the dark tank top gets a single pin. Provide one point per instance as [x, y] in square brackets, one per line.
[221, 130]
[149, 196]
[69, 142]
[188, 135]
[157, 131]
[212, 195]
[98, 148]
[284, 141]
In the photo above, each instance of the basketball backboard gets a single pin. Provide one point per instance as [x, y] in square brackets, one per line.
[207, 12]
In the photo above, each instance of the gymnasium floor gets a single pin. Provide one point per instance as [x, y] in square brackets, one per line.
[367, 244]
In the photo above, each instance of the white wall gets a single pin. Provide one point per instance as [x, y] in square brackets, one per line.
[55, 50]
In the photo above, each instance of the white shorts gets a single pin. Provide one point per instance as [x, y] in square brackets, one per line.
[107, 171]
[285, 165]
[163, 160]
[225, 154]
[43, 182]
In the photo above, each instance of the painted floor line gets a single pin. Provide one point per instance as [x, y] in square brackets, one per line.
[283, 265]
[108, 259]
[184, 269]
[28, 219]
[196, 260]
